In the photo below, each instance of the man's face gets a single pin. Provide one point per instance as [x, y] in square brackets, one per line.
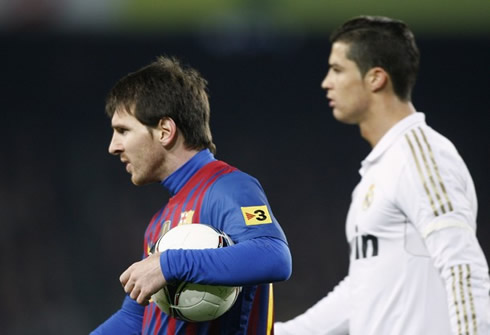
[138, 148]
[345, 87]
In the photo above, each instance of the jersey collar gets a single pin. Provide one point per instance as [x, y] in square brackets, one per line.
[390, 137]
[181, 176]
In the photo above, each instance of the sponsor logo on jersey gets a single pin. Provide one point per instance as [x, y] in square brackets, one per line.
[255, 215]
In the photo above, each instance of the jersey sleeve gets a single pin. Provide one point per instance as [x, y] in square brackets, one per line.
[255, 261]
[436, 192]
[237, 205]
[329, 316]
[126, 321]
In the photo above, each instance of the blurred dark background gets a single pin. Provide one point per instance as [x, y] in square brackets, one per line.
[71, 221]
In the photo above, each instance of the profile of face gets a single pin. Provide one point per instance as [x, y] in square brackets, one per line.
[346, 90]
[138, 147]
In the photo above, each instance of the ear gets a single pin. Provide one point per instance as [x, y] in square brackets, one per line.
[377, 79]
[167, 131]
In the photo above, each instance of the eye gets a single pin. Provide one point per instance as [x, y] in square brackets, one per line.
[120, 130]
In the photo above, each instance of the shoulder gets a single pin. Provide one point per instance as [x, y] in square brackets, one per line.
[236, 188]
[236, 183]
[425, 150]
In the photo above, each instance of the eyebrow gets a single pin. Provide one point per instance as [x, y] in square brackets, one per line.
[335, 64]
[118, 125]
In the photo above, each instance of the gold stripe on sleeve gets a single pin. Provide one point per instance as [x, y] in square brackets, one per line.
[270, 313]
[436, 169]
[456, 305]
[429, 172]
[419, 169]
[471, 302]
[463, 302]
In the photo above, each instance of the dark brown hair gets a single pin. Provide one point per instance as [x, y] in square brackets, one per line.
[377, 41]
[165, 89]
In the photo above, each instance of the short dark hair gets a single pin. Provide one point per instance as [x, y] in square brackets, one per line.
[164, 89]
[385, 42]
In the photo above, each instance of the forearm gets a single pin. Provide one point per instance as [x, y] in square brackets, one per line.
[463, 268]
[329, 316]
[126, 321]
[259, 260]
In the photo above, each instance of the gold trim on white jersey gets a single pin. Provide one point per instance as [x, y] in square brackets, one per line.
[462, 281]
[421, 175]
[456, 304]
[429, 168]
[436, 169]
[443, 224]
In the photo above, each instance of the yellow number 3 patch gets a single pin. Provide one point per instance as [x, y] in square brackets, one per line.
[255, 215]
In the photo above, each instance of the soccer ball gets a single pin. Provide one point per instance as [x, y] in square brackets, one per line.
[189, 301]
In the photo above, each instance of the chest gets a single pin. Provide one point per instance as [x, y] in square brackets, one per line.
[178, 211]
[373, 210]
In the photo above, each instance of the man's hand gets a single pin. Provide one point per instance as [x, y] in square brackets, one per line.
[144, 278]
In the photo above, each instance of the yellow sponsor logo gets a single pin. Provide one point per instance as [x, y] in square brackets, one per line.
[255, 215]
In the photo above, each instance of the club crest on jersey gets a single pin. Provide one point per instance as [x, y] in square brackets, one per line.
[368, 199]
[255, 215]
[186, 217]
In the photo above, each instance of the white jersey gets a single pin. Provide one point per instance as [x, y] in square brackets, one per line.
[416, 267]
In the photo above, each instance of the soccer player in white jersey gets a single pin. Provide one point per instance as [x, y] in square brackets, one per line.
[416, 267]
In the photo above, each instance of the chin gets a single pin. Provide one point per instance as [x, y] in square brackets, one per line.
[344, 118]
[141, 181]
[137, 181]
[339, 116]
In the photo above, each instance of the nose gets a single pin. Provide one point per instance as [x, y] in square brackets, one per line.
[326, 83]
[115, 147]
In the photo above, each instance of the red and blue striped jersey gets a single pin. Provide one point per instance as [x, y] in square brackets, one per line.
[205, 190]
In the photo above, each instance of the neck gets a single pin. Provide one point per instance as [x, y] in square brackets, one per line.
[382, 117]
[175, 155]
[176, 160]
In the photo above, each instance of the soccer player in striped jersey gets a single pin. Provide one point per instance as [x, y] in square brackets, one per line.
[160, 119]
[416, 266]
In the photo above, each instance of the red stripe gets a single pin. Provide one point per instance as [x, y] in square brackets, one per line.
[253, 319]
[191, 328]
[200, 196]
[204, 174]
[146, 317]
[214, 327]
[198, 191]
[226, 170]
[158, 320]
[172, 325]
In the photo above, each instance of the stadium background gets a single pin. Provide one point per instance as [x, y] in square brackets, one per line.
[71, 221]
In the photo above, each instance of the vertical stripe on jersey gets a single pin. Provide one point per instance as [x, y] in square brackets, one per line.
[421, 174]
[253, 317]
[260, 322]
[426, 166]
[463, 300]
[470, 294]
[456, 304]
[429, 171]
[189, 198]
[270, 312]
[436, 169]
